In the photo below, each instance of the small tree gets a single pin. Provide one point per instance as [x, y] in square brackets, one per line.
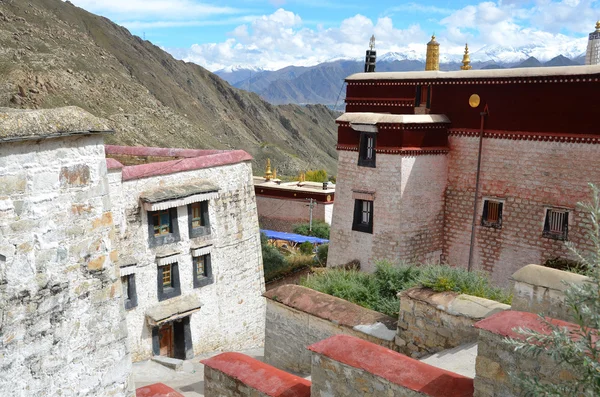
[577, 347]
[317, 176]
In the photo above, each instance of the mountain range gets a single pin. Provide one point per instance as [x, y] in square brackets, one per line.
[54, 54]
[324, 83]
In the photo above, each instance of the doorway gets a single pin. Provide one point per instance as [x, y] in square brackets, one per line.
[173, 339]
[165, 337]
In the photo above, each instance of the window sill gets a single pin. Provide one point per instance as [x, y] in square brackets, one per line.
[554, 236]
[491, 225]
[199, 231]
[362, 229]
[203, 282]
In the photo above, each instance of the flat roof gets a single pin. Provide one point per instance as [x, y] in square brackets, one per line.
[311, 187]
[480, 73]
[375, 118]
[19, 125]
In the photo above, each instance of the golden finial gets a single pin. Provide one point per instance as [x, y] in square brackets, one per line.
[598, 26]
[268, 173]
[432, 60]
[372, 43]
[274, 173]
[466, 59]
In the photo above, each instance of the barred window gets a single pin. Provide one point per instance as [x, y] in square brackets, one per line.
[366, 152]
[492, 214]
[167, 276]
[363, 216]
[162, 222]
[202, 270]
[556, 224]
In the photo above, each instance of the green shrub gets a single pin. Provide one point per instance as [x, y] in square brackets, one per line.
[322, 251]
[320, 229]
[316, 176]
[306, 248]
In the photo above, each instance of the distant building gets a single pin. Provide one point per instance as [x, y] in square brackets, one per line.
[189, 249]
[407, 167]
[592, 55]
[280, 205]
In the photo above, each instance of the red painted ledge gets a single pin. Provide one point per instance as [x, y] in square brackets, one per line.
[157, 390]
[505, 323]
[113, 164]
[157, 151]
[395, 367]
[260, 376]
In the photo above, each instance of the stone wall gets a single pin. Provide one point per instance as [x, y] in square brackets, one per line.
[62, 324]
[408, 209]
[282, 213]
[347, 366]
[529, 176]
[232, 308]
[541, 290]
[430, 322]
[237, 375]
[298, 317]
[497, 362]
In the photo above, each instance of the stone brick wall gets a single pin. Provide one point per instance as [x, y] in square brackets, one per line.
[430, 322]
[63, 329]
[408, 209]
[497, 362]
[541, 290]
[237, 375]
[282, 214]
[347, 366]
[530, 176]
[298, 317]
[232, 313]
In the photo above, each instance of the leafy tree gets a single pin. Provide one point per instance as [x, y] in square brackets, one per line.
[577, 347]
[317, 176]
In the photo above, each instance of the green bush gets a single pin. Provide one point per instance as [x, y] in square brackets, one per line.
[322, 252]
[378, 291]
[316, 176]
[320, 229]
[306, 248]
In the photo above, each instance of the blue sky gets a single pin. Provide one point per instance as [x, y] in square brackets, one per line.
[277, 33]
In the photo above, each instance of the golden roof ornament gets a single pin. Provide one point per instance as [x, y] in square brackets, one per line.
[268, 173]
[598, 26]
[432, 60]
[372, 43]
[466, 59]
[274, 173]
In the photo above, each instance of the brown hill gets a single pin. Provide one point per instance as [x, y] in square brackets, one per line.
[54, 54]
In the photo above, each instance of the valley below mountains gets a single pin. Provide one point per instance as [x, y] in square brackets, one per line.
[54, 54]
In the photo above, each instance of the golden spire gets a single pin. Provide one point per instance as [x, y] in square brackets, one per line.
[432, 61]
[466, 59]
[274, 173]
[372, 43]
[598, 26]
[268, 173]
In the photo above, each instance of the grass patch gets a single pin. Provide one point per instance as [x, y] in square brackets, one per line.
[378, 291]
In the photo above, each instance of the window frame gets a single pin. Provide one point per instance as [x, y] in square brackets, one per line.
[203, 230]
[162, 239]
[363, 149]
[357, 222]
[131, 300]
[562, 235]
[174, 290]
[485, 222]
[207, 277]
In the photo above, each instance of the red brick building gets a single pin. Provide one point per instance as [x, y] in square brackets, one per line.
[408, 149]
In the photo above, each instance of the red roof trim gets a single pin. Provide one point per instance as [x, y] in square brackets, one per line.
[407, 151]
[527, 136]
[113, 164]
[186, 164]
[157, 390]
[157, 151]
[260, 376]
[395, 367]
[505, 323]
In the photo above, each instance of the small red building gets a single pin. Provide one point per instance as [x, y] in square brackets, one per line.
[408, 149]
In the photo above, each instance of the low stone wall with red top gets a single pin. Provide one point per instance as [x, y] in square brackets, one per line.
[237, 375]
[496, 360]
[347, 366]
[156, 390]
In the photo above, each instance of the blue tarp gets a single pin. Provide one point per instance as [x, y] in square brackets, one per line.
[296, 238]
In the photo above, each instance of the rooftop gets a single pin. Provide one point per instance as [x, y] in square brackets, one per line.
[19, 125]
[374, 118]
[480, 73]
[309, 187]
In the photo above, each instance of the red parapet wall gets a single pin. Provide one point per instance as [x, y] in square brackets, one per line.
[157, 390]
[397, 368]
[258, 375]
[157, 151]
[506, 323]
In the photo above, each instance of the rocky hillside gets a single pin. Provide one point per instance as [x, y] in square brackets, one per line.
[54, 54]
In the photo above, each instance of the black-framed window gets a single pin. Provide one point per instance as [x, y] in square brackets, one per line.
[363, 216]
[366, 152]
[556, 224]
[168, 285]
[492, 214]
[202, 270]
[199, 224]
[162, 227]
[129, 292]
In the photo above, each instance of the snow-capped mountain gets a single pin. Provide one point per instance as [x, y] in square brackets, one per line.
[509, 55]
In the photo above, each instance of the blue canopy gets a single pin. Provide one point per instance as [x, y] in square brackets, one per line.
[296, 238]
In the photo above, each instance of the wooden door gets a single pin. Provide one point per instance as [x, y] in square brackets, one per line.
[165, 335]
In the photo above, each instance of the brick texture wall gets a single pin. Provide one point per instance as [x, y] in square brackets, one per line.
[529, 176]
[408, 209]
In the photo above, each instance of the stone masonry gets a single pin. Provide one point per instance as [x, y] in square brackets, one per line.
[430, 322]
[62, 324]
[408, 209]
